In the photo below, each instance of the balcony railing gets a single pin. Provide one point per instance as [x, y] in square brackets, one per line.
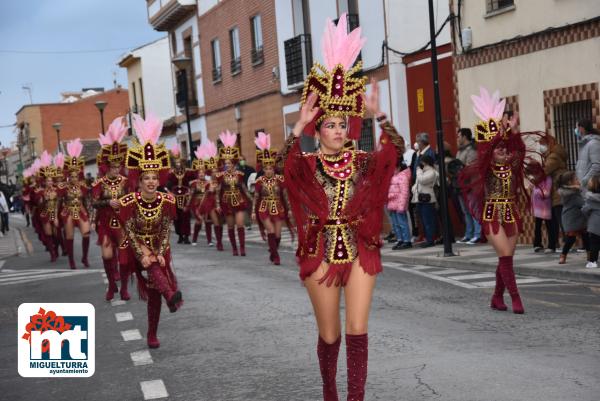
[216, 74]
[298, 58]
[257, 56]
[236, 66]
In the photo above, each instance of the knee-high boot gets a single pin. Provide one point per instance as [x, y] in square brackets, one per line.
[69, 244]
[85, 245]
[219, 235]
[115, 260]
[276, 259]
[195, 235]
[124, 276]
[208, 231]
[273, 254]
[328, 358]
[60, 241]
[242, 237]
[159, 279]
[231, 233]
[498, 297]
[154, 304]
[508, 277]
[50, 243]
[357, 356]
[110, 276]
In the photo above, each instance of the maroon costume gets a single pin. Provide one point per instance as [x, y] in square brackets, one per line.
[179, 185]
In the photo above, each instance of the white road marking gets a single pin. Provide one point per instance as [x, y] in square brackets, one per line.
[131, 335]
[105, 281]
[451, 271]
[117, 302]
[472, 276]
[154, 389]
[123, 316]
[432, 276]
[27, 276]
[140, 358]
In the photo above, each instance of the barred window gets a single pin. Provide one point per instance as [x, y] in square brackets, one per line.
[367, 140]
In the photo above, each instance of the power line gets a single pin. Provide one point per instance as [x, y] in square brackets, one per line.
[65, 51]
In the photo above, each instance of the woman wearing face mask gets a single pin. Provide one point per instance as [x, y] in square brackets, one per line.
[106, 191]
[270, 206]
[232, 196]
[494, 188]
[337, 198]
[146, 216]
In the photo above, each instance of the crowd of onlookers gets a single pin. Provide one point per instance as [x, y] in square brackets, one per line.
[566, 202]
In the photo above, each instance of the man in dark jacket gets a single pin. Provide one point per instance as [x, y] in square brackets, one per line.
[555, 164]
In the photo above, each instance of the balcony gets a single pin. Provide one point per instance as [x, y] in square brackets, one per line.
[236, 66]
[298, 59]
[164, 15]
[257, 56]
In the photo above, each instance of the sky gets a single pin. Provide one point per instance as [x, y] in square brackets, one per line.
[34, 32]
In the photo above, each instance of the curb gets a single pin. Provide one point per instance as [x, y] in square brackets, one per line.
[457, 262]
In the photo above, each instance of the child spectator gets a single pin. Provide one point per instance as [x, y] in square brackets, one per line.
[398, 196]
[541, 203]
[573, 219]
[591, 209]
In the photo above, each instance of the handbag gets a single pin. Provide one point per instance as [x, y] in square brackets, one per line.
[424, 198]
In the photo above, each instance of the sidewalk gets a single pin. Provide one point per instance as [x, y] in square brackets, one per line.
[11, 243]
[479, 257]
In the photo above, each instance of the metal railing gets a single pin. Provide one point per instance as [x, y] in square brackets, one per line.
[236, 66]
[298, 58]
[257, 56]
[216, 74]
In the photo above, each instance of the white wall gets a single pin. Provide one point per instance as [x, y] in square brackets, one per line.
[285, 30]
[156, 78]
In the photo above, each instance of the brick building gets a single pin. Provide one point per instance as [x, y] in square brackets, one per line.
[78, 119]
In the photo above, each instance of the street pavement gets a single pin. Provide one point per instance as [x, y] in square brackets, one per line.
[246, 332]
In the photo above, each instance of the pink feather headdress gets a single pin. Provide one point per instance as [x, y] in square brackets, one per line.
[45, 159]
[265, 156]
[339, 94]
[229, 150]
[207, 154]
[147, 154]
[175, 150]
[489, 108]
[75, 162]
[112, 150]
[59, 160]
[115, 133]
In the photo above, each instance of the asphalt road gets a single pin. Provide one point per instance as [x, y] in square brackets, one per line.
[246, 332]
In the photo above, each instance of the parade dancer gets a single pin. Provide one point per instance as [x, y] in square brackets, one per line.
[146, 216]
[198, 191]
[48, 200]
[74, 212]
[337, 198]
[106, 190]
[270, 207]
[232, 196]
[494, 189]
[208, 207]
[179, 185]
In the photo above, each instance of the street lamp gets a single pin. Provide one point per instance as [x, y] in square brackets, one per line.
[57, 126]
[440, 136]
[33, 155]
[100, 105]
[182, 64]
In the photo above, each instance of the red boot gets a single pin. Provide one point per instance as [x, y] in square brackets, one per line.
[208, 231]
[110, 276]
[357, 356]
[231, 233]
[242, 237]
[219, 235]
[497, 302]
[508, 277]
[115, 261]
[154, 304]
[195, 235]
[85, 244]
[328, 358]
[159, 279]
[274, 255]
[124, 282]
[69, 244]
[276, 259]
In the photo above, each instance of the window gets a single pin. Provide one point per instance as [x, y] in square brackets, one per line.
[566, 116]
[134, 107]
[236, 62]
[257, 40]
[301, 17]
[495, 5]
[216, 59]
[366, 141]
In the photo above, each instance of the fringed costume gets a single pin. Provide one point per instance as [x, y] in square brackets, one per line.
[178, 184]
[207, 152]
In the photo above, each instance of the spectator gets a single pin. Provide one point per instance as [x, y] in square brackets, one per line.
[424, 197]
[3, 214]
[541, 203]
[555, 164]
[247, 170]
[591, 209]
[452, 166]
[423, 148]
[466, 155]
[398, 198]
[573, 219]
[588, 163]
